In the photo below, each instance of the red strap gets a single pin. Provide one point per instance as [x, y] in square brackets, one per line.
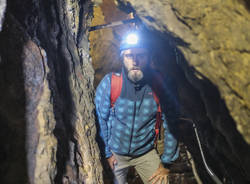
[159, 79]
[157, 102]
[116, 88]
[158, 118]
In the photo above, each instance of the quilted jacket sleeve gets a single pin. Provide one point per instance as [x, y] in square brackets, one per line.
[171, 150]
[171, 113]
[102, 103]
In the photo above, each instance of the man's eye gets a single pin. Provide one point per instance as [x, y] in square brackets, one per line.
[129, 56]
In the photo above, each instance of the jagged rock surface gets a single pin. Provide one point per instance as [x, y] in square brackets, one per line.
[46, 82]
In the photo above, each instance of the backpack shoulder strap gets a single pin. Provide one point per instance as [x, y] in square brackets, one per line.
[116, 88]
[157, 102]
[158, 118]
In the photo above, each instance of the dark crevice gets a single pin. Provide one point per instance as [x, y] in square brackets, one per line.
[219, 117]
[224, 123]
[246, 3]
[13, 155]
[179, 18]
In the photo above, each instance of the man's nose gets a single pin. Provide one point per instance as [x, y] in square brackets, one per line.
[135, 60]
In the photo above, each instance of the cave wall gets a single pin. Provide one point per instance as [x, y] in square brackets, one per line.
[46, 83]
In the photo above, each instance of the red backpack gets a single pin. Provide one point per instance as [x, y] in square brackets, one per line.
[116, 88]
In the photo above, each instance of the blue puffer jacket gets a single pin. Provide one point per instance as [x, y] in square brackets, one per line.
[129, 128]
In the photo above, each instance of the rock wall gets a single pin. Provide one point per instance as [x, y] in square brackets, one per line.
[46, 82]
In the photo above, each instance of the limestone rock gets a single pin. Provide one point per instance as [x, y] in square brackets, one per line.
[40, 121]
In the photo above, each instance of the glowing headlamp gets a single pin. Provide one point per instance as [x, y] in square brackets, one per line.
[132, 39]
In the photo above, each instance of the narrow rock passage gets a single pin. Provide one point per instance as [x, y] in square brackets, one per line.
[50, 65]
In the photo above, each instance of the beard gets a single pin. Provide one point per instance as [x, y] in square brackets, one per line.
[135, 75]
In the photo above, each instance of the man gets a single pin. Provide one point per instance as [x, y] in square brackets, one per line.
[128, 128]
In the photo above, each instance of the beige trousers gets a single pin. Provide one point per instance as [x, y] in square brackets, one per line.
[145, 166]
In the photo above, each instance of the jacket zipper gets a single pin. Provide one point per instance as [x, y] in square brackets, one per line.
[134, 113]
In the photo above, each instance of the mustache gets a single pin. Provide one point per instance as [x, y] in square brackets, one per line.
[135, 68]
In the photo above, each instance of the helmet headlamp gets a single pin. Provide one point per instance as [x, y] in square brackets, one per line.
[135, 39]
[132, 39]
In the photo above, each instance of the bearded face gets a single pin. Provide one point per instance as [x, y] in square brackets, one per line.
[135, 61]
